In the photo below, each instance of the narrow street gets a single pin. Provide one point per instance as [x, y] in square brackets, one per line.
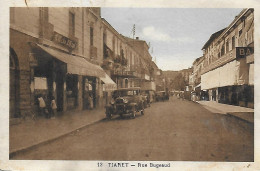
[175, 130]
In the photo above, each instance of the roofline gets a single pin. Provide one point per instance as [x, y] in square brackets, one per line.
[242, 13]
[113, 29]
[211, 38]
[137, 40]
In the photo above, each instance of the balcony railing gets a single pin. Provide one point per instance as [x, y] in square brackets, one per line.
[130, 74]
[120, 60]
[229, 56]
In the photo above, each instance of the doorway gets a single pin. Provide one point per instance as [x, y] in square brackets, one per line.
[14, 85]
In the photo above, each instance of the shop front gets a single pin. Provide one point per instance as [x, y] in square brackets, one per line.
[71, 80]
[230, 84]
[89, 94]
[108, 85]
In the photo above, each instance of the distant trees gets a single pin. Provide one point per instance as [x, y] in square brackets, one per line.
[178, 83]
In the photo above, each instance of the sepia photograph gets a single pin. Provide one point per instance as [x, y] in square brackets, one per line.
[100, 87]
[151, 84]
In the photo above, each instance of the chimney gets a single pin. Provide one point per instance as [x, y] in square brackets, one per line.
[137, 38]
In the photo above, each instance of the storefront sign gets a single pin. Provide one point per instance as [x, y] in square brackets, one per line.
[64, 40]
[109, 87]
[242, 52]
[40, 83]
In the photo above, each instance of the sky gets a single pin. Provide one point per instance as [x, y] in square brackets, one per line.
[176, 35]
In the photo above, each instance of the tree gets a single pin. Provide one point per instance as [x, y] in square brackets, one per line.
[178, 83]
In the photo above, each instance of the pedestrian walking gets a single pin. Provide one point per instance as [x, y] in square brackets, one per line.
[42, 106]
[90, 102]
[53, 107]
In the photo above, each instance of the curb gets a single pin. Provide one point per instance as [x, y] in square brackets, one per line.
[239, 118]
[24, 149]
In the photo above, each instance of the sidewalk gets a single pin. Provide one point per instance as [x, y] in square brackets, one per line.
[31, 133]
[236, 111]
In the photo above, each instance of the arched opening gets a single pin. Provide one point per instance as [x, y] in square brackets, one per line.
[13, 85]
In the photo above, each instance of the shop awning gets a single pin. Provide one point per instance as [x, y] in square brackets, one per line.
[109, 84]
[198, 85]
[75, 64]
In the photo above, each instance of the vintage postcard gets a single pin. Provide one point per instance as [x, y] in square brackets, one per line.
[100, 86]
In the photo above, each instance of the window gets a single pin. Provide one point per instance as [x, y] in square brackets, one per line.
[72, 24]
[233, 42]
[91, 36]
[222, 50]
[240, 32]
[227, 45]
[114, 44]
[104, 37]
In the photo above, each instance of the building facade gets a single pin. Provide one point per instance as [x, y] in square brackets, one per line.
[55, 53]
[127, 60]
[195, 79]
[228, 69]
[72, 55]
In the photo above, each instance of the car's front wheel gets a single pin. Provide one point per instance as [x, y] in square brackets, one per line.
[142, 110]
[109, 115]
[133, 114]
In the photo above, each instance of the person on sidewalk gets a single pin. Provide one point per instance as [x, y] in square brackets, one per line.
[53, 107]
[42, 106]
[90, 102]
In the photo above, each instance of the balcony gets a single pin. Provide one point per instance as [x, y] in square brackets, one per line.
[145, 77]
[120, 60]
[229, 56]
[126, 74]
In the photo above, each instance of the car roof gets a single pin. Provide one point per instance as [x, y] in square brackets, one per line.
[147, 90]
[131, 88]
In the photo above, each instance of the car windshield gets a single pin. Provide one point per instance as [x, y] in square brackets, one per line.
[160, 93]
[125, 93]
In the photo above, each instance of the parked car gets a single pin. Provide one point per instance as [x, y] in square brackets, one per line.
[161, 96]
[149, 94]
[126, 101]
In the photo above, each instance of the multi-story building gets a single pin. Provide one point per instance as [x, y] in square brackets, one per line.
[127, 60]
[195, 77]
[55, 52]
[228, 69]
[144, 66]
[58, 53]
[120, 59]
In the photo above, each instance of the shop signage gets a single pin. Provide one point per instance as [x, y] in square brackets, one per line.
[242, 52]
[64, 41]
[109, 87]
[40, 83]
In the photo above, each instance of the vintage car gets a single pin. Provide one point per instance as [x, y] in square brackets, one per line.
[149, 94]
[126, 101]
[161, 96]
